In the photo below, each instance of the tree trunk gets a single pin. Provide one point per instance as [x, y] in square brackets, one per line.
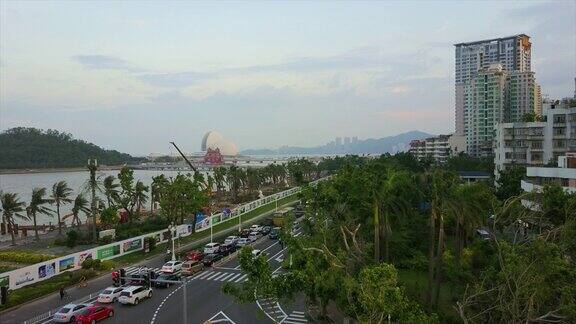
[458, 240]
[439, 257]
[36, 236]
[10, 226]
[376, 231]
[432, 237]
[386, 231]
[59, 221]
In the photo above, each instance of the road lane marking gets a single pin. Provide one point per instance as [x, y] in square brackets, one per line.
[236, 276]
[241, 278]
[214, 274]
[225, 278]
[221, 274]
[205, 274]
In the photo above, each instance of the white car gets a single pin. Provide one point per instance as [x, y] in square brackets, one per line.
[211, 248]
[172, 266]
[109, 295]
[243, 242]
[255, 228]
[231, 240]
[256, 253]
[68, 313]
[134, 294]
[253, 236]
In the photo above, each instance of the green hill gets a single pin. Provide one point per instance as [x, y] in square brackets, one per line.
[29, 148]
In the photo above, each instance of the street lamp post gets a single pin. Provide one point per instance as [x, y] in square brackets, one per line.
[211, 225]
[172, 239]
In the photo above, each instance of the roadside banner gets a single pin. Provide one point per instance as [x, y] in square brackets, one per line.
[108, 252]
[133, 245]
[66, 264]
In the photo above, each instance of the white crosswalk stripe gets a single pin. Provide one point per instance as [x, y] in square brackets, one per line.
[222, 276]
[296, 317]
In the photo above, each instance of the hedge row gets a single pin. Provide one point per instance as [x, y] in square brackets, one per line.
[26, 257]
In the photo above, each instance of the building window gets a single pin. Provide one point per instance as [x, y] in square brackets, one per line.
[559, 119]
[559, 143]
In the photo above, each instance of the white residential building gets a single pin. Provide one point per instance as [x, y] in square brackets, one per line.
[536, 143]
[439, 148]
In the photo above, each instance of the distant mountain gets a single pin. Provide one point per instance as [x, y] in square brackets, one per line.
[390, 144]
[31, 148]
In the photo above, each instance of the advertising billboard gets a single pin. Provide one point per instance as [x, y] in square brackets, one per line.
[47, 270]
[108, 252]
[133, 245]
[66, 264]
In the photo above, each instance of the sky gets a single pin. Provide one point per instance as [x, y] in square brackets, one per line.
[133, 76]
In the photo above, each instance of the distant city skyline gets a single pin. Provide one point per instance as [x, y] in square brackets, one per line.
[134, 76]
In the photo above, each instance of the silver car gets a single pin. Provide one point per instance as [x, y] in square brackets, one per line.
[67, 314]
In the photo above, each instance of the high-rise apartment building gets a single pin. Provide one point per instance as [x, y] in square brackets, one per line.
[495, 96]
[485, 108]
[514, 53]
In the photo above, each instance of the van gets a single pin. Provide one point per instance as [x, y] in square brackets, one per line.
[134, 294]
[191, 267]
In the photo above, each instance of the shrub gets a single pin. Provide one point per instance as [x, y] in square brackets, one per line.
[105, 240]
[106, 265]
[26, 257]
[151, 242]
[71, 238]
[417, 262]
[91, 264]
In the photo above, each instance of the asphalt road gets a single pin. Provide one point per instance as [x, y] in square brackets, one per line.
[205, 301]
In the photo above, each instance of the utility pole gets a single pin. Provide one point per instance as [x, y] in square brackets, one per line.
[185, 303]
[92, 167]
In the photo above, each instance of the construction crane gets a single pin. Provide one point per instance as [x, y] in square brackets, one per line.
[190, 164]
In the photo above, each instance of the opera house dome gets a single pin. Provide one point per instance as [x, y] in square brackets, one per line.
[214, 140]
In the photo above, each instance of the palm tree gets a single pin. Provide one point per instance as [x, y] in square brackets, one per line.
[140, 196]
[110, 189]
[80, 204]
[394, 196]
[442, 187]
[60, 196]
[37, 206]
[234, 178]
[11, 207]
[219, 178]
[158, 183]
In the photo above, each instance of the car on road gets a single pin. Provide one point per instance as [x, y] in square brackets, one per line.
[245, 232]
[255, 228]
[256, 253]
[165, 276]
[191, 267]
[226, 249]
[211, 248]
[194, 255]
[211, 258]
[254, 236]
[231, 239]
[93, 314]
[68, 313]
[109, 295]
[265, 230]
[134, 294]
[172, 266]
[243, 242]
[274, 233]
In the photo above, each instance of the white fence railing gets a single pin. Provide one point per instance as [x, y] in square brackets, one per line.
[44, 270]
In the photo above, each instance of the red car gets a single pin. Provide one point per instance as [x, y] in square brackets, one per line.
[92, 314]
[194, 256]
